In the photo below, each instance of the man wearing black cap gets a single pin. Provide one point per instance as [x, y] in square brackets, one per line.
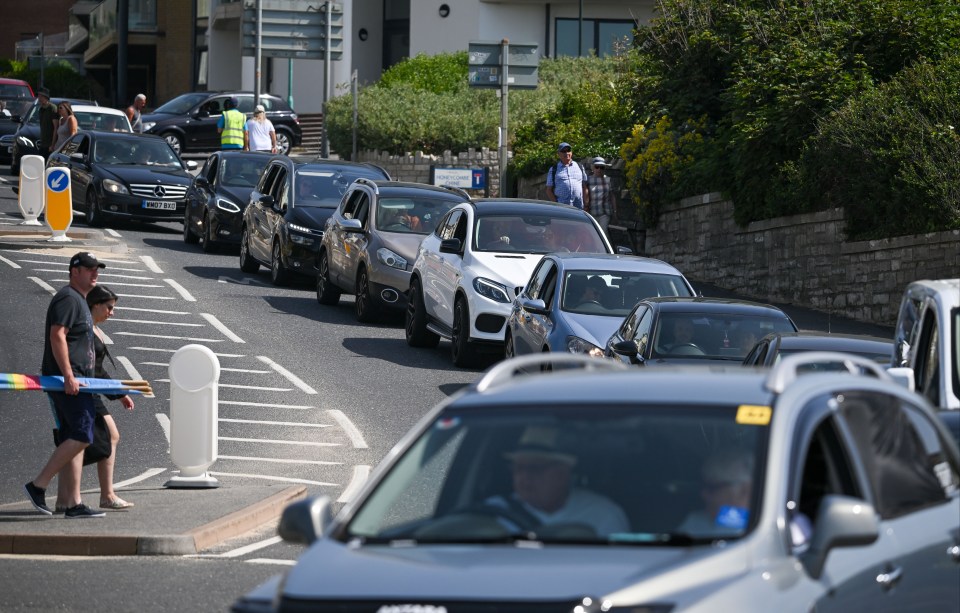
[68, 351]
[567, 180]
[49, 119]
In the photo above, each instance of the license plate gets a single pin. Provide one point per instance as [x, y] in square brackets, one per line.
[10, 149]
[159, 204]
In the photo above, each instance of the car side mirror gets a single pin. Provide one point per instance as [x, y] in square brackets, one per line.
[350, 225]
[623, 250]
[842, 521]
[450, 245]
[77, 157]
[266, 201]
[305, 521]
[627, 349]
[534, 305]
[202, 182]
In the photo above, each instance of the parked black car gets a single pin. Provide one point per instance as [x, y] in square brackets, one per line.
[189, 121]
[25, 138]
[16, 96]
[283, 222]
[124, 175]
[693, 330]
[774, 347]
[218, 195]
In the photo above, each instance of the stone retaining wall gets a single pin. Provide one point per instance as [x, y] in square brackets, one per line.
[415, 167]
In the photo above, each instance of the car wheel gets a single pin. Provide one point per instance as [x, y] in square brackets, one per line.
[415, 324]
[209, 244]
[247, 263]
[509, 351]
[365, 306]
[283, 142]
[461, 349]
[94, 213]
[188, 236]
[278, 272]
[174, 140]
[327, 292]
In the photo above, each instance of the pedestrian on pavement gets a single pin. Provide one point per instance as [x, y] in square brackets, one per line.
[68, 351]
[48, 121]
[567, 180]
[260, 134]
[101, 301]
[232, 126]
[603, 205]
[133, 112]
[66, 126]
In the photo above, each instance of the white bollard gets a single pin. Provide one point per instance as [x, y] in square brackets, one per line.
[31, 190]
[194, 376]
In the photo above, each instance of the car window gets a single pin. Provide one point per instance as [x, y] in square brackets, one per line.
[267, 180]
[350, 204]
[453, 219]
[614, 293]
[927, 363]
[550, 286]
[82, 143]
[629, 325]
[323, 186]
[210, 169]
[712, 335]
[460, 231]
[362, 211]
[900, 452]
[214, 106]
[241, 171]
[107, 122]
[641, 334]
[245, 104]
[279, 191]
[532, 290]
[181, 104]
[413, 214]
[537, 233]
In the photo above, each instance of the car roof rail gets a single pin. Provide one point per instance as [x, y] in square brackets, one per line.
[368, 183]
[458, 190]
[510, 369]
[788, 369]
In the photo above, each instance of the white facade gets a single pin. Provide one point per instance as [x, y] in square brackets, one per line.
[520, 21]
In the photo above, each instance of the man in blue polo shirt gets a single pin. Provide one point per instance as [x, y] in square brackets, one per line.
[567, 180]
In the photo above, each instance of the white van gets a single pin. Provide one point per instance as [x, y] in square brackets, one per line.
[927, 340]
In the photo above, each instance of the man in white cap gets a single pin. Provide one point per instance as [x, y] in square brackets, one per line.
[260, 134]
[567, 181]
[602, 205]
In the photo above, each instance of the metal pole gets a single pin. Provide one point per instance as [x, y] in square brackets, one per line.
[41, 59]
[290, 82]
[256, 87]
[123, 39]
[324, 145]
[356, 111]
[504, 77]
[580, 31]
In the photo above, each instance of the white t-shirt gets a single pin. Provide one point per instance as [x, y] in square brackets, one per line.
[582, 507]
[259, 135]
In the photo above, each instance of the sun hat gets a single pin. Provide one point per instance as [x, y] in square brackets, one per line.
[542, 442]
[599, 161]
[259, 109]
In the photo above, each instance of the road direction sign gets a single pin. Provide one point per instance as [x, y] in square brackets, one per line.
[59, 203]
[293, 29]
[485, 68]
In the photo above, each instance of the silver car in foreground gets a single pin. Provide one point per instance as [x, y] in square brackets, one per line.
[598, 487]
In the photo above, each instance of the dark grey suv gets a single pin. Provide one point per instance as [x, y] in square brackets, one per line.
[189, 121]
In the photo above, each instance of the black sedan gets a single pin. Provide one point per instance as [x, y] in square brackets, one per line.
[218, 195]
[693, 330]
[283, 222]
[124, 176]
[28, 132]
[772, 348]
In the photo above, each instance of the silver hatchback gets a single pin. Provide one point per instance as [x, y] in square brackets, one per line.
[599, 487]
[370, 242]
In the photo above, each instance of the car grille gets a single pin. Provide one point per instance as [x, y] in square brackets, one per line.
[288, 605]
[490, 323]
[164, 191]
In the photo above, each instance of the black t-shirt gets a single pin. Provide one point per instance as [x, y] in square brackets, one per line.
[69, 309]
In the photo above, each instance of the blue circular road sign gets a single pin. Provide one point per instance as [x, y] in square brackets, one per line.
[57, 180]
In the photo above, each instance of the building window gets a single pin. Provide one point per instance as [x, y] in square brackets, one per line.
[602, 37]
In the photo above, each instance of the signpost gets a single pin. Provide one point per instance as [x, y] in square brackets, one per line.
[502, 65]
[58, 203]
[464, 178]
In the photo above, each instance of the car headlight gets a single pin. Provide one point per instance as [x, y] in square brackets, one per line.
[225, 205]
[391, 259]
[593, 605]
[491, 289]
[114, 187]
[148, 125]
[23, 141]
[575, 344]
[303, 235]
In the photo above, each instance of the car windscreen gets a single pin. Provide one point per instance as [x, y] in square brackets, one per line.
[16, 106]
[615, 293]
[537, 233]
[714, 335]
[631, 474]
[242, 171]
[106, 122]
[135, 151]
[413, 215]
[323, 187]
[181, 104]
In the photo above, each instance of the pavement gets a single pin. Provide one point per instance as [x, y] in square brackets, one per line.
[164, 521]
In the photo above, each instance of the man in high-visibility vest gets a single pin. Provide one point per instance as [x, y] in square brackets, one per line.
[231, 125]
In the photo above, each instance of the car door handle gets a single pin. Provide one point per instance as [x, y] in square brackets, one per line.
[890, 578]
[954, 552]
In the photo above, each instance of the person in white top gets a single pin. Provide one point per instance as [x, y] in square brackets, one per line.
[260, 135]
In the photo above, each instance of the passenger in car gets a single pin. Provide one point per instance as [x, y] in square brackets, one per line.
[725, 487]
[542, 475]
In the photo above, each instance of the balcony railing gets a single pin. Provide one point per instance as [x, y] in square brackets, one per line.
[103, 19]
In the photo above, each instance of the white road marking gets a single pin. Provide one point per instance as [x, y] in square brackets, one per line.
[295, 424]
[286, 373]
[106, 339]
[161, 350]
[180, 290]
[114, 265]
[243, 387]
[360, 475]
[239, 551]
[165, 424]
[243, 370]
[276, 442]
[126, 308]
[216, 323]
[280, 460]
[117, 283]
[130, 368]
[158, 323]
[113, 232]
[273, 478]
[43, 284]
[271, 561]
[151, 264]
[105, 274]
[142, 477]
[181, 338]
[145, 297]
[352, 431]
[266, 405]
[9, 263]
[244, 281]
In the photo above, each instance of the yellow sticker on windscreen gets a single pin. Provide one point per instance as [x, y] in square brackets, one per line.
[753, 415]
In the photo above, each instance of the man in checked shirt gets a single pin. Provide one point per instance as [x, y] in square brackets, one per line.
[567, 180]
